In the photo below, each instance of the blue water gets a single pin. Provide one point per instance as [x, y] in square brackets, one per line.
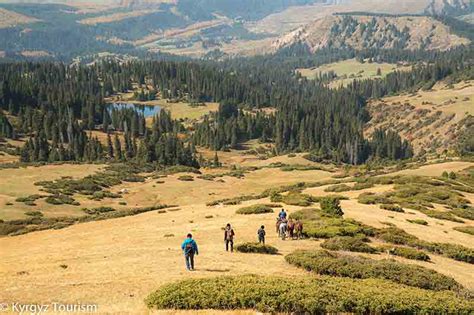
[147, 110]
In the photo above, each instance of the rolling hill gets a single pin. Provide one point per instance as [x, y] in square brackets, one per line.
[364, 31]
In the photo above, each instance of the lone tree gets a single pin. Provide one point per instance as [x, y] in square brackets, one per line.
[331, 206]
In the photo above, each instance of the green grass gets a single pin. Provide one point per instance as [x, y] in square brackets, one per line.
[293, 198]
[301, 295]
[334, 264]
[256, 248]
[255, 209]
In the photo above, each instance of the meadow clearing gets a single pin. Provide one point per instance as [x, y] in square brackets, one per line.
[116, 263]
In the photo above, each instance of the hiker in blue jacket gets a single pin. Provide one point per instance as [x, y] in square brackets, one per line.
[282, 214]
[189, 248]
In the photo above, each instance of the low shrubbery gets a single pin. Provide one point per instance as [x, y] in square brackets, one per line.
[392, 208]
[186, 178]
[255, 209]
[406, 252]
[305, 295]
[465, 229]
[294, 198]
[317, 224]
[331, 206]
[34, 213]
[98, 210]
[341, 265]
[60, 199]
[349, 243]
[417, 221]
[399, 237]
[256, 248]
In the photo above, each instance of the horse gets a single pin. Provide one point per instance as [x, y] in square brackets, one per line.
[299, 229]
[291, 228]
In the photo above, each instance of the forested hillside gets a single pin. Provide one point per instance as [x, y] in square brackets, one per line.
[57, 106]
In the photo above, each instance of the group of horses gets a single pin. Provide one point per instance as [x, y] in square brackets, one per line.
[289, 228]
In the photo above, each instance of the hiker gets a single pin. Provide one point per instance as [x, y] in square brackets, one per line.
[283, 227]
[229, 237]
[291, 228]
[189, 248]
[261, 235]
[282, 214]
[299, 229]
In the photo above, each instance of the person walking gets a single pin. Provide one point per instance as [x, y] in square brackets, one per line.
[229, 237]
[261, 235]
[189, 248]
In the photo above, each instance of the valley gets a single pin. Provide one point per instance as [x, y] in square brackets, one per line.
[237, 156]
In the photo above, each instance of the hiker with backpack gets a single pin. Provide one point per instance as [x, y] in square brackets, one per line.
[189, 248]
[229, 237]
[261, 235]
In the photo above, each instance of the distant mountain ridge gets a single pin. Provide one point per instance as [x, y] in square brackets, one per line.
[362, 32]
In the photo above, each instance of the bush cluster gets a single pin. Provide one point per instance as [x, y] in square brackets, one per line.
[340, 265]
[320, 225]
[349, 243]
[400, 237]
[406, 252]
[186, 178]
[392, 208]
[305, 295]
[255, 209]
[465, 229]
[294, 198]
[256, 248]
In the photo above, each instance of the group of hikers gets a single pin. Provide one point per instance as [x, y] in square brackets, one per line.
[285, 228]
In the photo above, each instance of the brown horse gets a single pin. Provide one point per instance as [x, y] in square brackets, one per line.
[291, 228]
[299, 229]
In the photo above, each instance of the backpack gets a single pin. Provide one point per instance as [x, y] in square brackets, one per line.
[189, 248]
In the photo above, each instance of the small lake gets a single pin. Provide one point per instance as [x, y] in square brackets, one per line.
[147, 110]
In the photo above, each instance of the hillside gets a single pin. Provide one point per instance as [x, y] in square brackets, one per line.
[432, 120]
[362, 32]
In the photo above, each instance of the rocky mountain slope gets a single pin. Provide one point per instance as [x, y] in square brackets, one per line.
[361, 31]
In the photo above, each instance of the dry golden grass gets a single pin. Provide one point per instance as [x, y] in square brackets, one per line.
[16, 183]
[351, 69]
[109, 18]
[117, 262]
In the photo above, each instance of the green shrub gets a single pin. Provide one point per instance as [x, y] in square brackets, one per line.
[349, 243]
[400, 237]
[61, 199]
[177, 169]
[186, 178]
[465, 229]
[369, 198]
[341, 265]
[34, 213]
[98, 210]
[465, 213]
[406, 252]
[304, 295]
[338, 188]
[391, 208]
[320, 225]
[256, 248]
[418, 221]
[255, 209]
[294, 198]
[331, 206]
